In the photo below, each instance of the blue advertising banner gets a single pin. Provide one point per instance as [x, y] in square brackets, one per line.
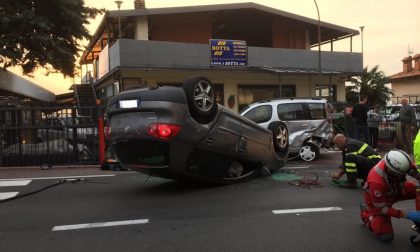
[228, 52]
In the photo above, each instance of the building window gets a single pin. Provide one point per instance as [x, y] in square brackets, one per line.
[324, 92]
[248, 94]
[288, 91]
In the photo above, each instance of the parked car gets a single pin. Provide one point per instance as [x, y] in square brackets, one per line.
[63, 126]
[392, 112]
[181, 133]
[60, 146]
[307, 121]
[390, 129]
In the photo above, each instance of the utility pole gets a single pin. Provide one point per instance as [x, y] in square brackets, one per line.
[119, 17]
[361, 30]
[319, 51]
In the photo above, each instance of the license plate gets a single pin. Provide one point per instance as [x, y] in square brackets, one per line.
[129, 103]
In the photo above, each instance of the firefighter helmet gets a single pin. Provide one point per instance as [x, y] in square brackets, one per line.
[398, 161]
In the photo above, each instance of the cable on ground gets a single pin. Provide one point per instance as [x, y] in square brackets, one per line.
[59, 182]
[309, 180]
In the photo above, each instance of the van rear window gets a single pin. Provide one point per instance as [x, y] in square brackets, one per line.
[317, 111]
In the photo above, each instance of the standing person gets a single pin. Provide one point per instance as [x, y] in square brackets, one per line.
[373, 121]
[348, 122]
[387, 184]
[359, 114]
[408, 125]
[358, 160]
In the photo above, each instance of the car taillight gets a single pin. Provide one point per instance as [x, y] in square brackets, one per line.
[163, 130]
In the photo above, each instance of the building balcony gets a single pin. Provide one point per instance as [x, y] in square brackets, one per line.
[130, 53]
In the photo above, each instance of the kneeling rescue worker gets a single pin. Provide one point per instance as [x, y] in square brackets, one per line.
[387, 184]
[358, 160]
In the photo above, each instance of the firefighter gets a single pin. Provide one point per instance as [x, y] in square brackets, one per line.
[387, 184]
[416, 149]
[358, 160]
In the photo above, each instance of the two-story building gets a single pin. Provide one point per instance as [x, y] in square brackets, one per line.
[407, 82]
[165, 46]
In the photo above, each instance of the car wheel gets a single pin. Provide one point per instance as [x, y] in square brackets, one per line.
[280, 136]
[309, 152]
[201, 99]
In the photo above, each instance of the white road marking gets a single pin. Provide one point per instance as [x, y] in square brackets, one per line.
[7, 195]
[14, 183]
[307, 210]
[66, 177]
[100, 224]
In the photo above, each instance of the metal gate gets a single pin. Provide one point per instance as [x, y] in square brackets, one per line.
[33, 134]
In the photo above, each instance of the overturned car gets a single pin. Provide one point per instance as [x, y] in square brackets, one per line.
[181, 133]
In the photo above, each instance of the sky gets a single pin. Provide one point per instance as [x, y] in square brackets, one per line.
[392, 29]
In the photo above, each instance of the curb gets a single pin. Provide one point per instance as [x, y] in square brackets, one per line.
[51, 167]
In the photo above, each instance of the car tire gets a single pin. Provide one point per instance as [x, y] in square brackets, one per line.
[201, 99]
[280, 136]
[309, 152]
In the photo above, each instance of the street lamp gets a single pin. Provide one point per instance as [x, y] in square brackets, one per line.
[319, 49]
[119, 17]
[361, 29]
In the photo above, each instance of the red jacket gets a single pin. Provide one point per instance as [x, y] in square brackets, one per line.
[382, 191]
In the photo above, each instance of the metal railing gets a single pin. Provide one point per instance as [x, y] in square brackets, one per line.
[47, 134]
[389, 131]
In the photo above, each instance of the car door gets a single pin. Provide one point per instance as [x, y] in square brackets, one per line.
[319, 119]
[296, 120]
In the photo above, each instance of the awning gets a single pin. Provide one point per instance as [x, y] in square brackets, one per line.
[304, 71]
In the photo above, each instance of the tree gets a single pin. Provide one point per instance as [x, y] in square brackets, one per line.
[372, 83]
[43, 33]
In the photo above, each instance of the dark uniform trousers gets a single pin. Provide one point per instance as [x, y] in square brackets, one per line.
[359, 159]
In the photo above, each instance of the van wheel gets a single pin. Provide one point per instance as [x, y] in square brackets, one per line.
[201, 99]
[309, 152]
[280, 136]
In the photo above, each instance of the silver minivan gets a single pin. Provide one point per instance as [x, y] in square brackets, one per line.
[308, 123]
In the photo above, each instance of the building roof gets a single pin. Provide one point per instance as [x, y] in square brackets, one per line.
[14, 85]
[412, 74]
[329, 32]
[405, 76]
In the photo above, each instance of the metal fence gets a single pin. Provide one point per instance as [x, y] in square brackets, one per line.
[33, 134]
[384, 134]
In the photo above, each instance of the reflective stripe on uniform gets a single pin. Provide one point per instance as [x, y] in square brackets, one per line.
[349, 167]
[362, 148]
[379, 171]
[374, 156]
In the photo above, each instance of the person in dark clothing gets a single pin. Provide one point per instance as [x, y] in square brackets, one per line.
[373, 121]
[408, 125]
[359, 114]
[358, 159]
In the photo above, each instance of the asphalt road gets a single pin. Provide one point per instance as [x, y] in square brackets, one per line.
[125, 211]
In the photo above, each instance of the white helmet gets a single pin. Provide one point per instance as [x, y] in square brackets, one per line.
[398, 161]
